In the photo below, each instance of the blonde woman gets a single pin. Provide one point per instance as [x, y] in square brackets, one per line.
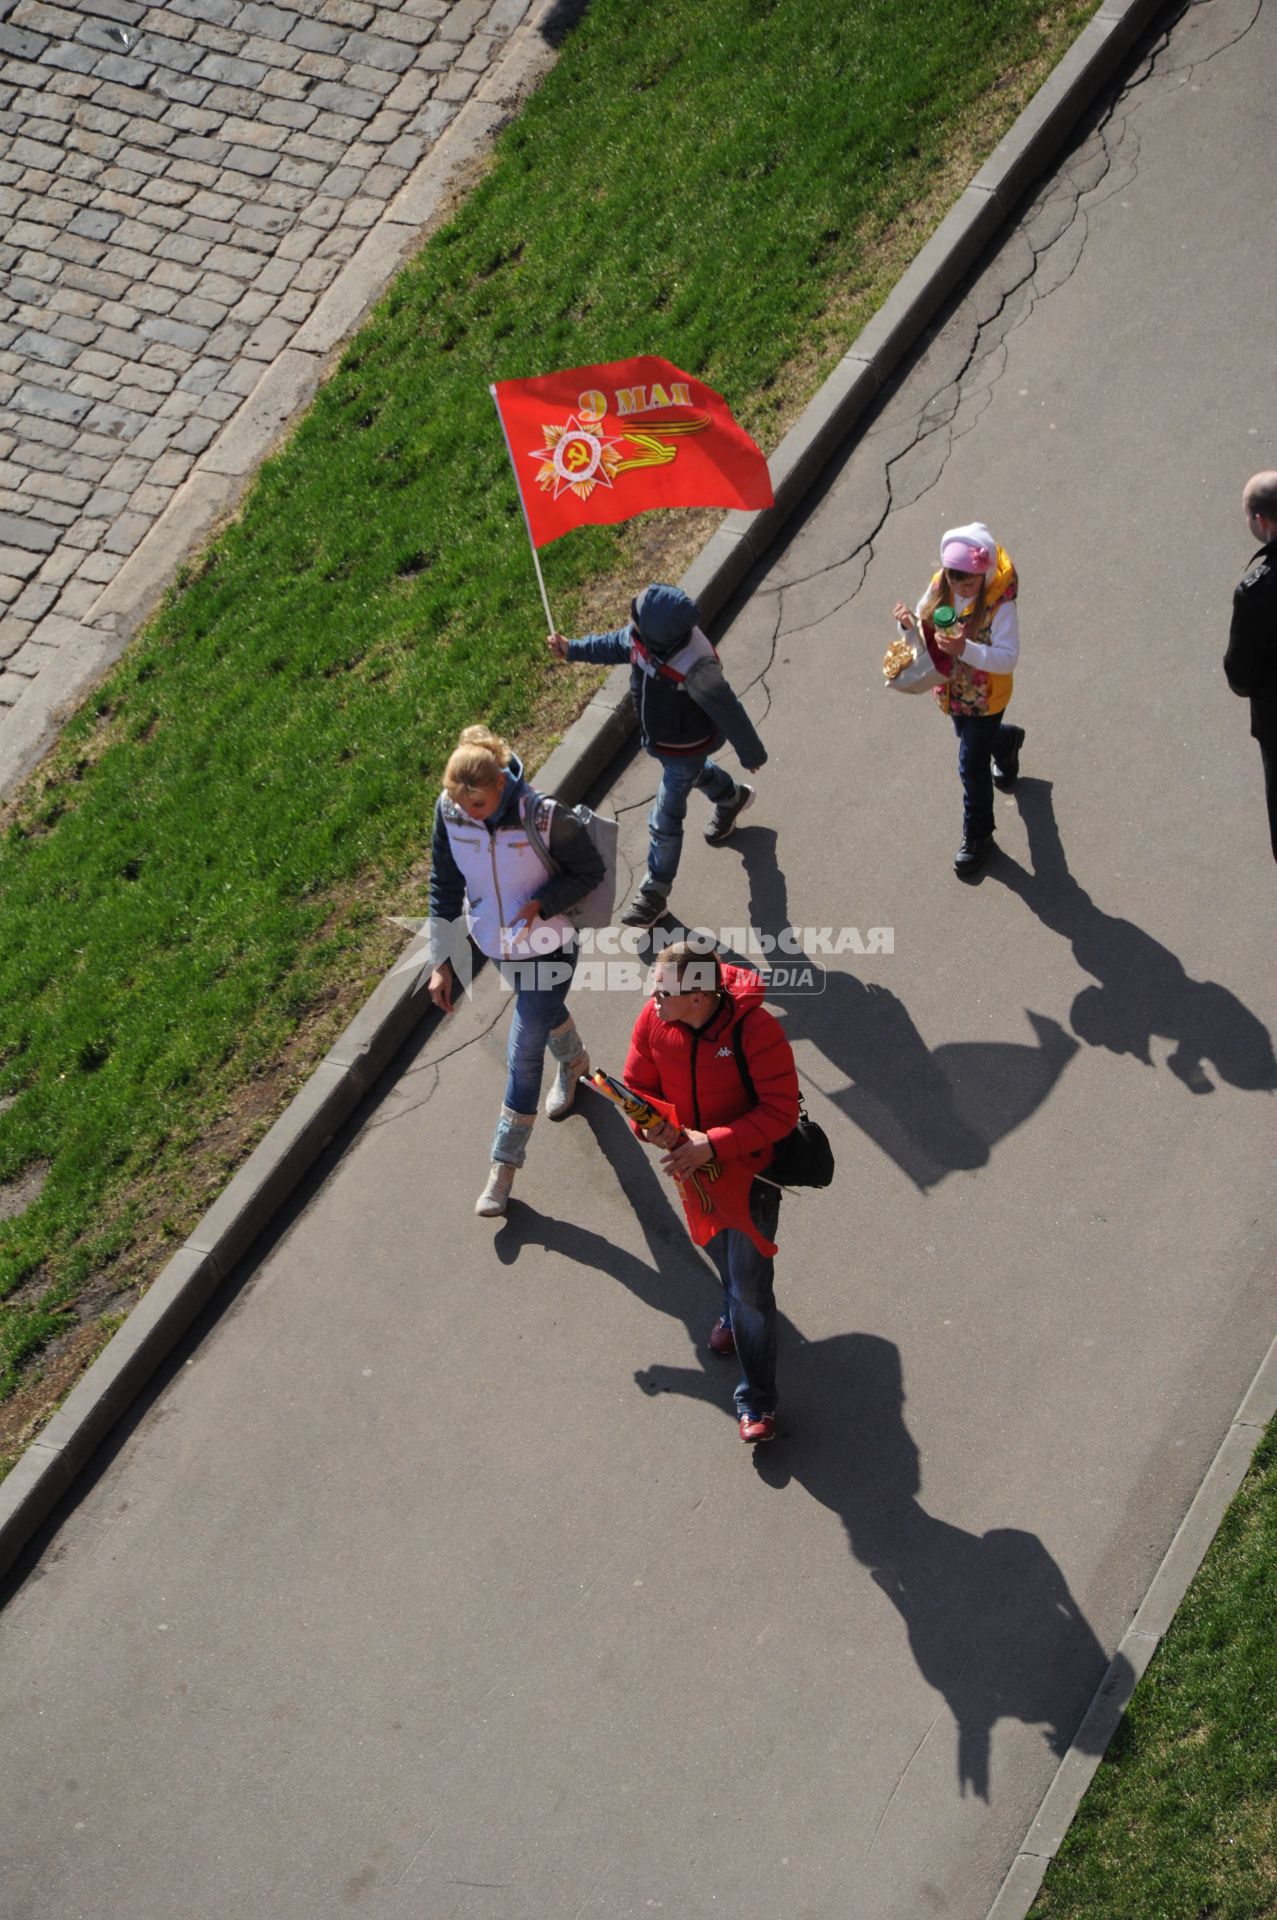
[978, 580]
[484, 864]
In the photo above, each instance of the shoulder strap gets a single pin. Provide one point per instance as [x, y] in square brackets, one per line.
[742, 1065]
[528, 815]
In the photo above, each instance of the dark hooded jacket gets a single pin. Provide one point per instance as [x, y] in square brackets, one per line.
[683, 706]
[1250, 664]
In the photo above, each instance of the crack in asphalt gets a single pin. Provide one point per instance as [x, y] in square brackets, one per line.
[1050, 237]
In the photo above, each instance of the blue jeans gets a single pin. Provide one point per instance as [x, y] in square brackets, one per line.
[540, 1005]
[749, 1300]
[980, 742]
[680, 773]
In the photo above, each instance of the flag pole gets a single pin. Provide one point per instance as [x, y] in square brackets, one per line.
[518, 486]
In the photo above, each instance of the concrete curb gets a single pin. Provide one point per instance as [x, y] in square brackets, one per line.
[273, 1172]
[1138, 1645]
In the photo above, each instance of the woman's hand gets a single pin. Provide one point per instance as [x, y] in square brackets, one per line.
[528, 912]
[695, 1152]
[665, 1135]
[442, 982]
[953, 641]
[903, 616]
[558, 645]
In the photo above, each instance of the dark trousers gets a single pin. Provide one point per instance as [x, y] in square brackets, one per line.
[980, 736]
[1268, 753]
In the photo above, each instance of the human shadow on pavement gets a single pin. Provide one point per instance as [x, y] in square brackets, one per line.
[990, 1618]
[1143, 988]
[676, 1279]
[933, 1110]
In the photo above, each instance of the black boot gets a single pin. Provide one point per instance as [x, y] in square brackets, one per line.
[972, 854]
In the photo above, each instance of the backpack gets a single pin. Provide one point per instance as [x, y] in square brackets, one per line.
[595, 910]
[804, 1158]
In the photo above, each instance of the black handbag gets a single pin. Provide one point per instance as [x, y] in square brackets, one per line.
[804, 1158]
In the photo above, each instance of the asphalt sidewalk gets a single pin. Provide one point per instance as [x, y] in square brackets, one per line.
[430, 1578]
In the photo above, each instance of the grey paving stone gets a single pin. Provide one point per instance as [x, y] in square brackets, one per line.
[271, 53]
[123, 68]
[372, 50]
[299, 173]
[125, 532]
[21, 45]
[318, 37]
[184, 89]
[280, 85]
[106, 503]
[57, 486]
[17, 563]
[456, 84]
[48, 404]
[255, 161]
[100, 567]
[43, 346]
[127, 12]
[462, 19]
[319, 66]
[76, 598]
[274, 23]
[412, 28]
[180, 56]
[119, 421]
[27, 532]
[35, 601]
[199, 312]
[355, 101]
[293, 115]
[375, 80]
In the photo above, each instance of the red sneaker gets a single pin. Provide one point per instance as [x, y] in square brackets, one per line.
[722, 1339]
[756, 1427]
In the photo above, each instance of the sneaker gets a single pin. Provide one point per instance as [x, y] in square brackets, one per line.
[721, 1338]
[972, 854]
[1006, 771]
[645, 909]
[497, 1192]
[724, 817]
[757, 1427]
[562, 1095]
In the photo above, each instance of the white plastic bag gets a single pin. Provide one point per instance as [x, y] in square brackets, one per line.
[924, 672]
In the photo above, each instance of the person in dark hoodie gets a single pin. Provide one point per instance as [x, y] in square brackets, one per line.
[1250, 664]
[482, 861]
[683, 1050]
[686, 710]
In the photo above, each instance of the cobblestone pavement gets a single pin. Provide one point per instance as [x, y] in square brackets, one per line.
[199, 201]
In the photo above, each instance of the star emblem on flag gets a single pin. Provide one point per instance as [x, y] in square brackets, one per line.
[575, 457]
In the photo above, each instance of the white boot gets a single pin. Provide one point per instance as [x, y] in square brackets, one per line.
[495, 1195]
[509, 1151]
[565, 1045]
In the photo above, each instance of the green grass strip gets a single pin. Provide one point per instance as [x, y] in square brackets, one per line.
[212, 845]
[1180, 1822]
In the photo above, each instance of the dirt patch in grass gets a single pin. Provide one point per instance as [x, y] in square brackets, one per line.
[31, 1408]
[17, 1195]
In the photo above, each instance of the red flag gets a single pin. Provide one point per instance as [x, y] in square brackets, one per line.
[715, 1196]
[595, 445]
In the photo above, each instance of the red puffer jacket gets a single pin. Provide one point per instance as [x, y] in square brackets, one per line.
[695, 1068]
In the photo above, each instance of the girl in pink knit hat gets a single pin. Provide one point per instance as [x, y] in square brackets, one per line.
[978, 581]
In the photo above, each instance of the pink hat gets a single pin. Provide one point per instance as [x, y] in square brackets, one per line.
[968, 549]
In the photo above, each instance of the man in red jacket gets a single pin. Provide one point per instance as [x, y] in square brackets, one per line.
[682, 1051]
